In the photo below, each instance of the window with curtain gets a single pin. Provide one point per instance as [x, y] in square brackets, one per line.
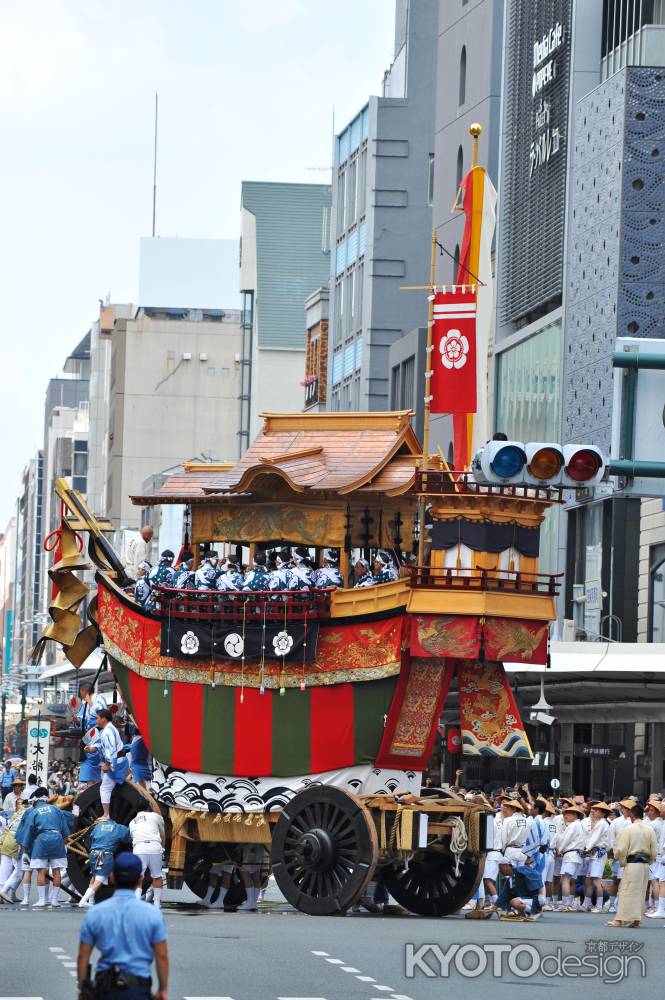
[462, 76]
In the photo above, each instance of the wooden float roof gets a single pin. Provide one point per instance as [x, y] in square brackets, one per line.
[341, 453]
[329, 452]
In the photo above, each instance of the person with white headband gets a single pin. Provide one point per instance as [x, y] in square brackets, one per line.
[302, 575]
[385, 570]
[114, 762]
[361, 573]
[257, 578]
[42, 836]
[329, 574]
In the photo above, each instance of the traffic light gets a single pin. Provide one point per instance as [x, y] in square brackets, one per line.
[500, 462]
[574, 466]
[584, 466]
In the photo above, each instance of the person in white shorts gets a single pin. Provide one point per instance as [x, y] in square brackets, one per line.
[597, 831]
[660, 909]
[616, 826]
[493, 859]
[653, 818]
[42, 837]
[148, 838]
[570, 847]
[551, 818]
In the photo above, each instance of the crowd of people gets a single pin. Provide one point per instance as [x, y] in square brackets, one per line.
[573, 855]
[287, 569]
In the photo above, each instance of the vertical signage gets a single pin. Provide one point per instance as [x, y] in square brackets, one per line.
[37, 752]
[534, 156]
[9, 640]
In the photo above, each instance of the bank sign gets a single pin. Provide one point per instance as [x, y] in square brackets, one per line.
[37, 751]
[547, 131]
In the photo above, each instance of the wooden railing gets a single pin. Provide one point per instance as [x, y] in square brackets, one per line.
[437, 482]
[508, 581]
[234, 606]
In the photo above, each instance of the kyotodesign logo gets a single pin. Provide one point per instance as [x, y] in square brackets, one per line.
[234, 645]
[189, 643]
[454, 348]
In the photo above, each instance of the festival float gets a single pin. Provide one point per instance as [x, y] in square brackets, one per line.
[296, 725]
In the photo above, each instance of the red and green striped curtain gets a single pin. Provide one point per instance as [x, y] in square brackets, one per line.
[209, 730]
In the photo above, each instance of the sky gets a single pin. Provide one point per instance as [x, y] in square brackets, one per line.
[248, 90]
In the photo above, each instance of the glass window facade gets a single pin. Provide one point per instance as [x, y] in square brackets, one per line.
[528, 406]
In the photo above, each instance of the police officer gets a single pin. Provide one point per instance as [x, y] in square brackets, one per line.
[106, 837]
[329, 574]
[129, 934]
[162, 574]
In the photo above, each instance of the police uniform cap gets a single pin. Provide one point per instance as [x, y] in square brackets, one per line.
[127, 866]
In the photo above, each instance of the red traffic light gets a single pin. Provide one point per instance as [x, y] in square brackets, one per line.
[583, 465]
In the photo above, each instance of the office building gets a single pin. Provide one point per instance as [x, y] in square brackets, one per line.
[383, 176]
[284, 258]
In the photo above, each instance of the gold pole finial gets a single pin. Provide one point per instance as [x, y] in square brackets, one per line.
[474, 131]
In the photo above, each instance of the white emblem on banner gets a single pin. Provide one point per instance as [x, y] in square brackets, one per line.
[189, 643]
[282, 643]
[454, 348]
[234, 644]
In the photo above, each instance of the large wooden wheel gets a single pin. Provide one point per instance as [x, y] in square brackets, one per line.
[324, 850]
[429, 886]
[127, 800]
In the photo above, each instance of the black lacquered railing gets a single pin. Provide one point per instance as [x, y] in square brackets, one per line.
[506, 581]
[437, 482]
[234, 606]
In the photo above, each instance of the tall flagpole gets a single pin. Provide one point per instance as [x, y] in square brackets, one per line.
[428, 397]
[154, 171]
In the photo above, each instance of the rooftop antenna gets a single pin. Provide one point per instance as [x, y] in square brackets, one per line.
[154, 171]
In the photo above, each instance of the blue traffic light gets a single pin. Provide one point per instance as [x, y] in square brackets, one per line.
[508, 462]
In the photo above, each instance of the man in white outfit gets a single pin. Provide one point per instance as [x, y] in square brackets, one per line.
[493, 859]
[138, 551]
[570, 847]
[114, 767]
[618, 824]
[552, 823]
[597, 833]
[660, 909]
[653, 818]
[148, 839]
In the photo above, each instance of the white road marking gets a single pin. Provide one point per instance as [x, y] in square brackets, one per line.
[64, 958]
[386, 989]
[349, 968]
[321, 953]
[399, 996]
[366, 979]
[335, 961]
[50, 949]
[207, 998]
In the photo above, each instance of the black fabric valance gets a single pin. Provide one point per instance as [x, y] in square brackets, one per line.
[485, 536]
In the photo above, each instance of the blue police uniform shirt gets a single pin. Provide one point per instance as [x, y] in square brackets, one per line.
[44, 832]
[106, 838]
[124, 929]
[8, 778]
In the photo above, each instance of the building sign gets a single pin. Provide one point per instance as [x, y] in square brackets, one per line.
[586, 750]
[36, 755]
[534, 155]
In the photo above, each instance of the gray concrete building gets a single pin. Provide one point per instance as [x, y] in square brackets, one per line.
[383, 175]
[284, 258]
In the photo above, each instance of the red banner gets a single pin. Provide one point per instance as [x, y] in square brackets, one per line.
[515, 640]
[453, 382]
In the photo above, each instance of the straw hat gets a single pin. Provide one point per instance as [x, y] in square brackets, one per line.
[550, 808]
[602, 805]
[515, 803]
[628, 803]
[573, 809]
[656, 803]
[18, 781]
